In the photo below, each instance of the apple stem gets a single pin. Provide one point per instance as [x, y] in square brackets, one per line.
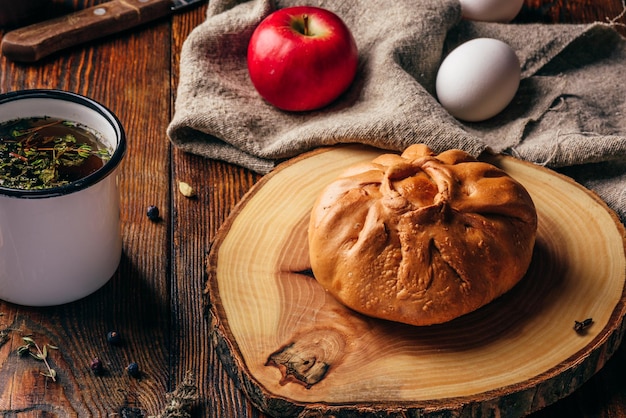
[305, 18]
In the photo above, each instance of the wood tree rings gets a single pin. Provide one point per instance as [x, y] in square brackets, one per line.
[295, 351]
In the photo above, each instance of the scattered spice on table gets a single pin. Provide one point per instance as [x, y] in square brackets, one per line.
[133, 369]
[153, 213]
[114, 338]
[96, 366]
[186, 189]
[581, 326]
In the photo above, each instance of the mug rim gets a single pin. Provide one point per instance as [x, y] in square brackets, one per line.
[84, 182]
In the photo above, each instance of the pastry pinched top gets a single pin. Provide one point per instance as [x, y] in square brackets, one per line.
[421, 238]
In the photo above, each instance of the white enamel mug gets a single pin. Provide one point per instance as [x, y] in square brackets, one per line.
[61, 244]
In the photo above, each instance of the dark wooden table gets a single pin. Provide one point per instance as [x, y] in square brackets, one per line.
[155, 299]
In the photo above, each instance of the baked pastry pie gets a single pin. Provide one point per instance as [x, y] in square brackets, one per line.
[421, 238]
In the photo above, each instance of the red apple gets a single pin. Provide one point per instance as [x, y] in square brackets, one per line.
[302, 58]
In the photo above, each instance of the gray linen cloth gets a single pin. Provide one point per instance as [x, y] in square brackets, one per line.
[568, 114]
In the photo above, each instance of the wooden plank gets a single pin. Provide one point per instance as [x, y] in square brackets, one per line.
[218, 187]
[576, 11]
[127, 76]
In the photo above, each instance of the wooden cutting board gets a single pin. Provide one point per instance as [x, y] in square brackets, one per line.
[295, 351]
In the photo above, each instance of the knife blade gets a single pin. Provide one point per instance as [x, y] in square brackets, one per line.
[33, 42]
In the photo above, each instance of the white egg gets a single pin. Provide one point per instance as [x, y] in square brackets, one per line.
[491, 10]
[478, 79]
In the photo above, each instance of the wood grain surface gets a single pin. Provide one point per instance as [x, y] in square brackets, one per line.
[155, 299]
[290, 340]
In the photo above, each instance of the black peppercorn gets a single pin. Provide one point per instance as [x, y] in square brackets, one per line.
[133, 369]
[96, 366]
[153, 213]
[113, 337]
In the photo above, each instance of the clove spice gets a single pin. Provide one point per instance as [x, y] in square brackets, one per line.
[580, 326]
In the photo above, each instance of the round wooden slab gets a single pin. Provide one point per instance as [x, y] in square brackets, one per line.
[295, 351]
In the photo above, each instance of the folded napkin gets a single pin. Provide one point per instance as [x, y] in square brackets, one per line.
[569, 112]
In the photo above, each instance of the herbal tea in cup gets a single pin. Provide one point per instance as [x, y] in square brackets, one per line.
[60, 237]
[44, 152]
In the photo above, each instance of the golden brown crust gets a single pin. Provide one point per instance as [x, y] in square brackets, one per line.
[421, 238]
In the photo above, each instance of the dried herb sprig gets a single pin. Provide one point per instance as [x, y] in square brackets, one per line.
[40, 354]
[181, 401]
